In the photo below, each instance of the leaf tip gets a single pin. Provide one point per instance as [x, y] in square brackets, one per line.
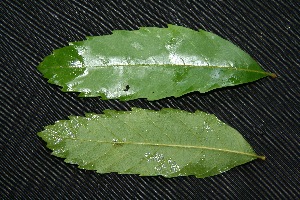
[273, 75]
[262, 157]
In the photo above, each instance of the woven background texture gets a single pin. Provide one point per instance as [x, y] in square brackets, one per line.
[265, 112]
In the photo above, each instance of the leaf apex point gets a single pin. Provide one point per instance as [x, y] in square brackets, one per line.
[262, 157]
[273, 75]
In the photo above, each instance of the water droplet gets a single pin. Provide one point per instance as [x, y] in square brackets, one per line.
[81, 50]
[115, 140]
[233, 79]
[76, 64]
[215, 74]
[219, 122]
[70, 134]
[207, 127]
[173, 166]
[83, 163]
[57, 140]
[137, 46]
[162, 165]
[157, 168]
[147, 154]
[158, 157]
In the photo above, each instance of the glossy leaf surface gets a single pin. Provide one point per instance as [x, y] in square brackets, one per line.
[150, 63]
[168, 142]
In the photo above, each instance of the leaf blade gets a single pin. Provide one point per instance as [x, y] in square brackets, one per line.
[168, 143]
[149, 63]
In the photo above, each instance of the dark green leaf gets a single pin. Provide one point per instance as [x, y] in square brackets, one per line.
[167, 142]
[150, 63]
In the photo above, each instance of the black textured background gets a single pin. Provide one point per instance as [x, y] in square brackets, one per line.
[266, 112]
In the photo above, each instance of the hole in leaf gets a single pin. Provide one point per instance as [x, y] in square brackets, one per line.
[127, 88]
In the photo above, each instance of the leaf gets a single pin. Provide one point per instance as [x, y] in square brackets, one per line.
[150, 63]
[167, 142]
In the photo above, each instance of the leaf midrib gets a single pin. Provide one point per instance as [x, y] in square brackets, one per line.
[173, 65]
[171, 145]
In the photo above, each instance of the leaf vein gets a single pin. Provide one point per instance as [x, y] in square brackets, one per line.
[174, 65]
[175, 146]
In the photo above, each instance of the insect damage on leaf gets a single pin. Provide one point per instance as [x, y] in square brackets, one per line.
[152, 61]
[168, 142]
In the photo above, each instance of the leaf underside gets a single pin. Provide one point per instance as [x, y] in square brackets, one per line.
[150, 63]
[168, 142]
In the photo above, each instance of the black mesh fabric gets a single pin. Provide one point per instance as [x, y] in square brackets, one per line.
[266, 112]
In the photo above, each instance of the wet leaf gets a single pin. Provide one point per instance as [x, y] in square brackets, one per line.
[150, 63]
[168, 142]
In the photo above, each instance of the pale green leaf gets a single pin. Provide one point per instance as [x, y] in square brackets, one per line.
[150, 63]
[167, 142]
